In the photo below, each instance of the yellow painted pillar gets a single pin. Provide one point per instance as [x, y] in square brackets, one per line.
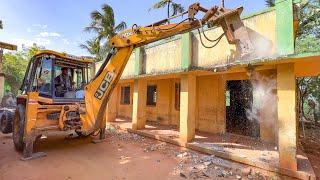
[287, 132]
[112, 108]
[188, 107]
[139, 104]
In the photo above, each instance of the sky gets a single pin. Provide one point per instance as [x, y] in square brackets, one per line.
[58, 24]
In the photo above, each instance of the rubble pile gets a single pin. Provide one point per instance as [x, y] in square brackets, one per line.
[192, 165]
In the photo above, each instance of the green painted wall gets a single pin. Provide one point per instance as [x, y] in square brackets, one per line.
[284, 27]
[138, 61]
[186, 48]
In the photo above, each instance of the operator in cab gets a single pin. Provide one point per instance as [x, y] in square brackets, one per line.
[63, 83]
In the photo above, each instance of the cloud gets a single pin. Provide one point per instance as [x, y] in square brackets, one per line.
[43, 41]
[65, 41]
[21, 42]
[37, 28]
[41, 26]
[49, 34]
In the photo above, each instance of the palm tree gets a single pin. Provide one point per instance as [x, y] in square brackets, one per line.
[93, 47]
[104, 27]
[175, 8]
[270, 3]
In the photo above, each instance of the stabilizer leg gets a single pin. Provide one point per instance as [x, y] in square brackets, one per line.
[28, 151]
[102, 136]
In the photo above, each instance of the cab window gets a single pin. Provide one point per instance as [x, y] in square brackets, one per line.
[42, 81]
[46, 77]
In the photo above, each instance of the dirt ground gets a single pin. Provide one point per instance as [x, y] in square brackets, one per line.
[311, 146]
[122, 156]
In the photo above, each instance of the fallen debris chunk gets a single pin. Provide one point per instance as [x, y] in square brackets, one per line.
[183, 175]
[182, 155]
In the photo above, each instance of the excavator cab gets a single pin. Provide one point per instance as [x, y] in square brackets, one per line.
[57, 77]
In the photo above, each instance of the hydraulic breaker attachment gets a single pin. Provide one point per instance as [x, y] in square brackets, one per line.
[230, 21]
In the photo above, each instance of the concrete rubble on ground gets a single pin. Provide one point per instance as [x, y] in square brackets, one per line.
[192, 165]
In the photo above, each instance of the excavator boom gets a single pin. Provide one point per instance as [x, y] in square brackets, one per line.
[99, 90]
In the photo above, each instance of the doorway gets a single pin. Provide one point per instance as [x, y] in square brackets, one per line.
[239, 100]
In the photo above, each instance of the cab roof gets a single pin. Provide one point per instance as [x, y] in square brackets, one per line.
[63, 55]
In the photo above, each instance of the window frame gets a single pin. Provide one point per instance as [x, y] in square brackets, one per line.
[153, 102]
[177, 95]
[123, 94]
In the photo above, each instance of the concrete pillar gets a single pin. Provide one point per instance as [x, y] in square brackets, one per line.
[287, 132]
[139, 104]
[188, 107]
[112, 108]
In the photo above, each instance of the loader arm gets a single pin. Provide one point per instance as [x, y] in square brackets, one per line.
[99, 90]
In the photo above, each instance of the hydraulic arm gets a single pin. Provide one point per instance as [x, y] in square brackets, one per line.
[98, 92]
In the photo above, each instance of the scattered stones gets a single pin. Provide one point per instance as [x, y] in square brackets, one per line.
[208, 163]
[182, 155]
[220, 174]
[183, 175]
[191, 165]
[200, 167]
[207, 158]
[196, 174]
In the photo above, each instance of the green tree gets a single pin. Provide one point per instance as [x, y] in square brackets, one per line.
[104, 27]
[1, 25]
[308, 37]
[14, 67]
[172, 7]
[94, 48]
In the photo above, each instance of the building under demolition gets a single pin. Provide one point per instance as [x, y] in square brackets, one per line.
[208, 100]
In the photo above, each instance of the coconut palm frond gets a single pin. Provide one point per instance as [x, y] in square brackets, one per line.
[176, 8]
[160, 4]
[270, 3]
[96, 16]
[121, 26]
[104, 27]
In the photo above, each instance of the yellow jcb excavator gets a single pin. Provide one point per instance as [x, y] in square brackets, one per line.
[59, 95]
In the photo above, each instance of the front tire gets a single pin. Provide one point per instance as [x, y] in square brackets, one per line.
[6, 122]
[18, 127]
